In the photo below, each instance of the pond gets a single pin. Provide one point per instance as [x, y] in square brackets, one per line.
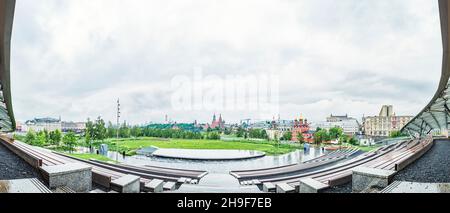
[221, 166]
[207, 155]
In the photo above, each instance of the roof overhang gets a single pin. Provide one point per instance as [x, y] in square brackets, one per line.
[7, 122]
[435, 116]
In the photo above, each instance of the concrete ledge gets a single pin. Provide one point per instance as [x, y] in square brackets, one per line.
[256, 182]
[411, 187]
[365, 179]
[285, 188]
[32, 185]
[75, 176]
[181, 181]
[155, 185]
[126, 184]
[169, 186]
[309, 185]
[269, 187]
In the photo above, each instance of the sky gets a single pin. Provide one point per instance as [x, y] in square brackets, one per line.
[186, 59]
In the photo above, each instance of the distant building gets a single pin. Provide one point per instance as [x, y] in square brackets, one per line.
[301, 126]
[338, 118]
[41, 124]
[278, 128]
[217, 124]
[19, 126]
[349, 125]
[384, 124]
[259, 125]
[77, 127]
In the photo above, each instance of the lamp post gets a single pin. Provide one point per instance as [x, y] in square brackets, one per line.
[118, 128]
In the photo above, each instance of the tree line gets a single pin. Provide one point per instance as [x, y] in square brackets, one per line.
[54, 139]
[335, 133]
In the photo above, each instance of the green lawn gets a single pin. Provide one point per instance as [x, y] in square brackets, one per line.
[91, 156]
[131, 145]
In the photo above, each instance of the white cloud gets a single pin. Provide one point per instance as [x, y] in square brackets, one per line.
[75, 58]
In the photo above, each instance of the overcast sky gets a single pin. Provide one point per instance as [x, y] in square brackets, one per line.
[75, 58]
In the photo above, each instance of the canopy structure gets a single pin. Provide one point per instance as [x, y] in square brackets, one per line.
[435, 116]
[7, 122]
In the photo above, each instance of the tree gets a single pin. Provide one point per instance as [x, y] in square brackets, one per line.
[55, 137]
[396, 134]
[287, 136]
[70, 140]
[40, 139]
[89, 134]
[277, 139]
[111, 131]
[300, 138]
[335, 133]
[30, 137]
[136, 131]
[124, 131]
[321, 136]
[99, 129]
[240, 132]
[344, 139]
[264, 134]
[213, 136]
[353, 141]
[46, 136]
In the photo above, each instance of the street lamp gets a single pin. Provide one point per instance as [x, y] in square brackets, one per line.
[118, 128]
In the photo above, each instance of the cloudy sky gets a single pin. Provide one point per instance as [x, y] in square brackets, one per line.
[74, 58]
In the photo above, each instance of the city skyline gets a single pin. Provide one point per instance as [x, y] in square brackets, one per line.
[73, 61]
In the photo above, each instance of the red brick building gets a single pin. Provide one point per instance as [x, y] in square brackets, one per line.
[301, 126]
[217, 124]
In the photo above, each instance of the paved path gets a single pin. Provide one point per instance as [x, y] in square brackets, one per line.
[218, 183]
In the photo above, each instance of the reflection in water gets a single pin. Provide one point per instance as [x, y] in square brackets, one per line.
[221, 167]
[202, 154]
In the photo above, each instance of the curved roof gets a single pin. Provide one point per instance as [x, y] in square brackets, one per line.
[7, 122]
[435, 116]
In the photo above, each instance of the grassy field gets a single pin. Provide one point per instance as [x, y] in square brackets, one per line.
[131, 145]
[91, 156]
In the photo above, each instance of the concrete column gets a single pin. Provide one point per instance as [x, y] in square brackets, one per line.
[75, 176]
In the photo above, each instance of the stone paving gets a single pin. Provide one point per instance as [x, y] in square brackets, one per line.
[433, 167]
[13, 167]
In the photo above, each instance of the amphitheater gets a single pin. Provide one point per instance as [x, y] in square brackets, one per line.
[418, 164]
